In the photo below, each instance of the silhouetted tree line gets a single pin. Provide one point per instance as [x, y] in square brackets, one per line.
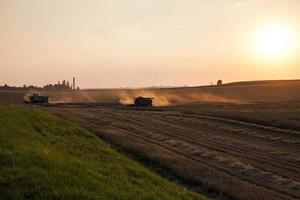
[64, 85]
[8, 87]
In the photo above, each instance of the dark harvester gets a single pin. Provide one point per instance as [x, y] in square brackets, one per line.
[36, 98]
[143, 101]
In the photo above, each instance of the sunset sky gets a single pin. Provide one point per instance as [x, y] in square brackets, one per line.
[135, 43]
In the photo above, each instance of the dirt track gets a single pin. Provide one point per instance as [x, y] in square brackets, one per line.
[240, 160]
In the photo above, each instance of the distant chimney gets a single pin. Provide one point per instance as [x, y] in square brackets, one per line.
[74, 83]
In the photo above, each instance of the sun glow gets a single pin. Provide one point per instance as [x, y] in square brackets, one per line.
[275, 42]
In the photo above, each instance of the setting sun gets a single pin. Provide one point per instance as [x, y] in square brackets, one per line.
[275, 42]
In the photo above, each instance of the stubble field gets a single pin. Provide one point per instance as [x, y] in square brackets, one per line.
[237, 141]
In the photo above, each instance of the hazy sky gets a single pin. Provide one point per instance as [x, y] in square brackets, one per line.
[120, 43]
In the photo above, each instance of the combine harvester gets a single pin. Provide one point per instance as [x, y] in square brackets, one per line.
[37, 99]
[143, 101]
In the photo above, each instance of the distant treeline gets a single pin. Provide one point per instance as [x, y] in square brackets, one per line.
[64, 85]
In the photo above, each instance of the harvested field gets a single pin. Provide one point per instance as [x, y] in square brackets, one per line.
[236, 141]
[234, 93]
[241, 160]
[12, 96]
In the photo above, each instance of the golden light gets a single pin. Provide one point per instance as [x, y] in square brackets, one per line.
[275, 42]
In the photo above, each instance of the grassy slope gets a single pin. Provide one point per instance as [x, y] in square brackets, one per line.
[43, 156]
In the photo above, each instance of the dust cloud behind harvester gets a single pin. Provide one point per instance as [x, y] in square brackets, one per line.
[245, 92]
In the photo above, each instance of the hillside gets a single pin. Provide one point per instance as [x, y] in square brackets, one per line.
[45, 157]
[239, 92]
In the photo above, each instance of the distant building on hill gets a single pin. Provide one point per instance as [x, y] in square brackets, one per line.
[220, 82]
[64, 85]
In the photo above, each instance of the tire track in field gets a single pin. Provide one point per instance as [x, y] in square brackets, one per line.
[141, 124]
[243, 145]
[203, 150]
[194, 136]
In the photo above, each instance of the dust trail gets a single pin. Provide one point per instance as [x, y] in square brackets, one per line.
[169, 98]
[28, 94]
[123, 96]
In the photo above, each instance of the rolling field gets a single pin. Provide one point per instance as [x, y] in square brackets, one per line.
[232, 93]
[235, 141]
[239, 159]
[45, 157]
